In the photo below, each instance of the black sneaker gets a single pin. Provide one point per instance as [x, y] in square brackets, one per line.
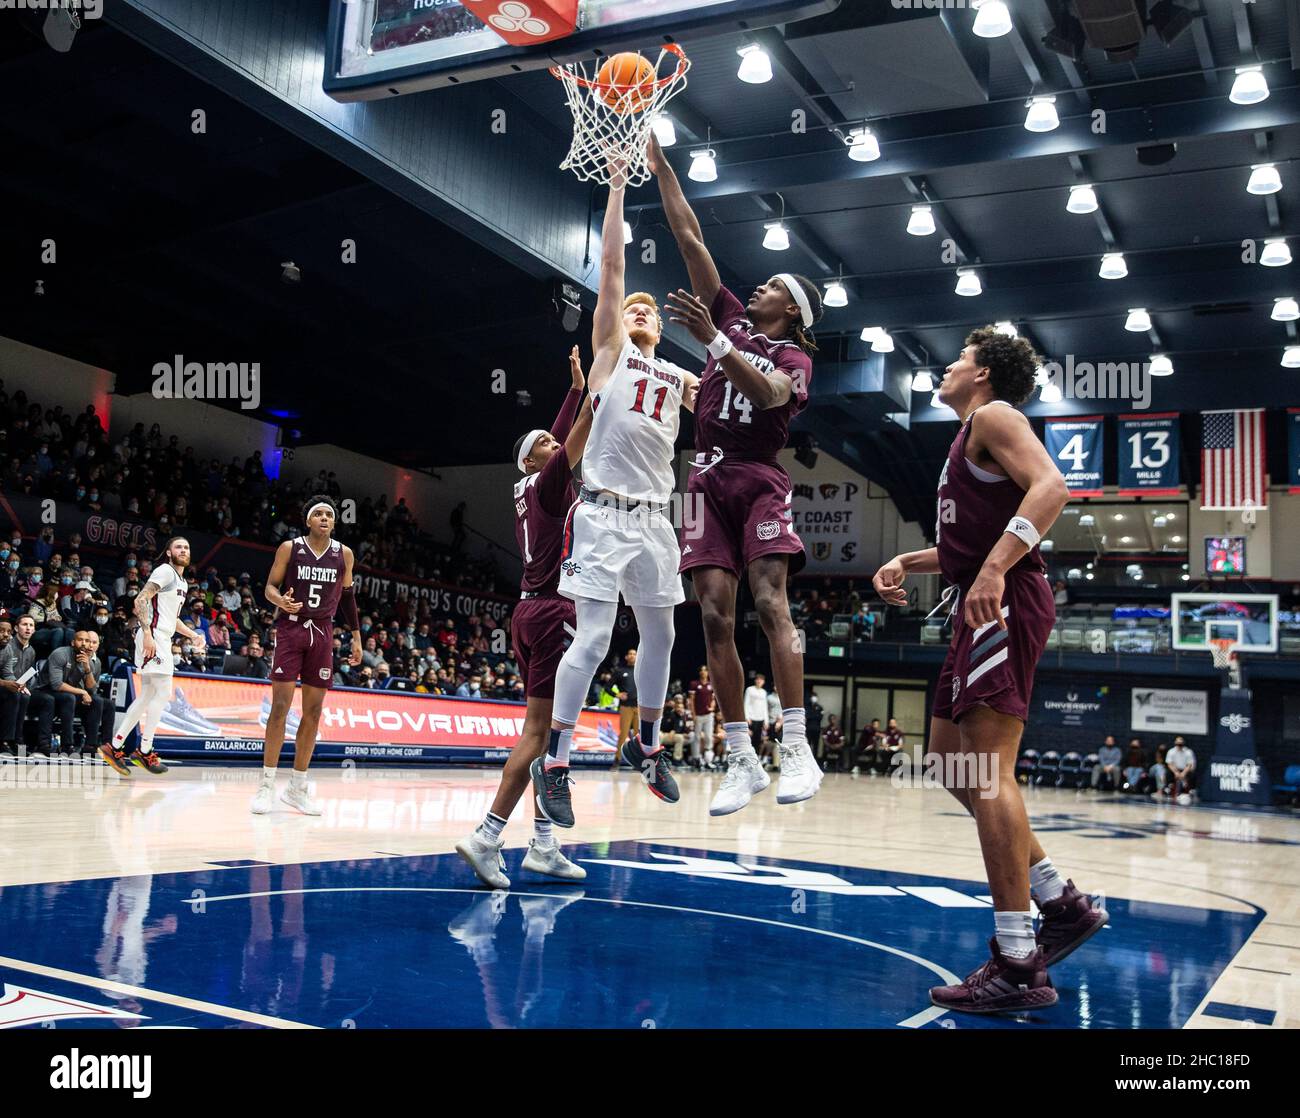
[654, 769]
[553, 796]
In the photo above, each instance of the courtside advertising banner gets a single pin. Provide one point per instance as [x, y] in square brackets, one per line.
[1293, 450]
[1148, 455]
[1076, 447]
[1167, 711]
[220, 716]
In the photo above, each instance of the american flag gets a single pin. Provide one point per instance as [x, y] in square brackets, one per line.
[1232, 459]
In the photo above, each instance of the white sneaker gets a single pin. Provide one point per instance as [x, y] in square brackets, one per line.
[264, 801]
[744, 779]
[801, 776]
[297, 798]
[484, 859]
[551, 861]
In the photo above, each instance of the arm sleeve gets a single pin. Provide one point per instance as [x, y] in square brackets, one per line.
[568, 413]
[553, 484]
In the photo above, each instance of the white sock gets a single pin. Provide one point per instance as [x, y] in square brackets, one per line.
[738, 739]
[793, 726]
[708, 756]
[1015, 933]
[268, 775]
[1045, 884]
[491, 827]
[557, 754]
[542, 829]
[298, 781]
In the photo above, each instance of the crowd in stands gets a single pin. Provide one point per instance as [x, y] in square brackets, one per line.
[1169, 771]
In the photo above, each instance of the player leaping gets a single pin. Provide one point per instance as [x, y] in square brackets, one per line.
[738, 515]
[618, 536]
[999, 492]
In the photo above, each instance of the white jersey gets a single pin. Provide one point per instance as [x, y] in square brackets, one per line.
[634, 425]
[165, 606]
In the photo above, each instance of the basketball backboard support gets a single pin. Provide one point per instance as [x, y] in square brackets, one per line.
[385, 48]
[1250, 620]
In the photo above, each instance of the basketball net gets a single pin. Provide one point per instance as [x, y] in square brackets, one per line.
[612, 123]
[1225, 656]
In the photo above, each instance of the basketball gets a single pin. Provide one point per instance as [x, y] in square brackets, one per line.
[626, 82]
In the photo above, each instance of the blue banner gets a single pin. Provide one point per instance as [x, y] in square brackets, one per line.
[1076, 447]
[1293, 450]
[1149, 455]
[1074, 706]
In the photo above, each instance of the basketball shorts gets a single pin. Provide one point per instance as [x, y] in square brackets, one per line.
[541, 629]
[994, 667]
[304, 649]
[608, 551]
[162, 663]
[736, 512]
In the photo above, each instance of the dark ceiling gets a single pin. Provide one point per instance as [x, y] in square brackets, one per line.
[170, 245]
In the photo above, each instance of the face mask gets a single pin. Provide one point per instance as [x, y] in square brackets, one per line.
[80, 493]
[13, 568]
[94, 494]
[101, 619]
[66, 581]
[4, 553]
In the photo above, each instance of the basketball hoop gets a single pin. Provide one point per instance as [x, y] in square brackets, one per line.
[612, 120]
[1223, 651]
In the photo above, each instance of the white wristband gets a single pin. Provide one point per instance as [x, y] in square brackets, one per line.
[1024, 530]
[720, 346]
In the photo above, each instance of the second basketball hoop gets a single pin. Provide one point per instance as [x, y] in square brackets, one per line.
[614, 108]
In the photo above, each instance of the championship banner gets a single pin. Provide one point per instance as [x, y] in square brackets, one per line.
[1070, 707]
[223, 716]
[1170, 712]
[1076, 446]
[1149, 455]
[1293, 450]
[115, 533]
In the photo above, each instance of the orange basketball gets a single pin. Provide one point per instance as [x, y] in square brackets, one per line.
[626, 82]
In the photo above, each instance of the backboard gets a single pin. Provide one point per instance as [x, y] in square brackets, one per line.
[383, 48]
[1248, 619]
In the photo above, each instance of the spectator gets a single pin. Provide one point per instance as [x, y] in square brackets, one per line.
[370, 656]
[625, 683]
[13, 584]
[118, 639]
[17, 656]
[704, 704]
[1181, 763]
[1159, 773]
[472, 688]
[894, 740]
[833, 741]
[604, 696]
[258, 668]
[51, 633]
[230, 596]
[869, 751]
[65, 687]
[1136, 779]
[1107, 766]
[770, 756]
[814, 714]
[672, 728]
[756, 711]
[1062, 593]
[219, 635]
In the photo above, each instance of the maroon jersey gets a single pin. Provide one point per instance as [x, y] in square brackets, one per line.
[542, 502]
[316, 580]
[701, 696]
[974, 509]
[724, 419]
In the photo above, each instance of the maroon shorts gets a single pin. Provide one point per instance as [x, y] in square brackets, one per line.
[736, 512]
[994, 667]
[541, 629]
[303, 650]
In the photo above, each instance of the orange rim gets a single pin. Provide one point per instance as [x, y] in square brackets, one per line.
[587, 83]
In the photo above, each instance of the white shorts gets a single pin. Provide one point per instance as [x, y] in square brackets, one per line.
[608, 551]
[161, 664]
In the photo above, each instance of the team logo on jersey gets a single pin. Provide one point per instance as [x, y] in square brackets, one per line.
[769, 529]
[569, 567]
[324, 673]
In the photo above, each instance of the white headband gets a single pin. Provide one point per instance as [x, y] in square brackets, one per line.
[319, 505]
[526, 447]
[800, 296]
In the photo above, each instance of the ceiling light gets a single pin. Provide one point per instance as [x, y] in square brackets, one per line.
[863, 145]
[1138, 321]
[882, 343]
[755, 66]
[1276, 254]
[1007, 329]
[836, 295]
[1285, 309]
[1161, 366]
[1113, 266]
[665, 131]
[777, 237]
[922, 381]
[921, 223]
[1041, 116]
[704, 167]
[991, 19]
[1083, 200]
[1291, 357]
[935, 402]
[968, 282]
[1089, 576]
[1250, 86]
[1264, 179]
[869, 332]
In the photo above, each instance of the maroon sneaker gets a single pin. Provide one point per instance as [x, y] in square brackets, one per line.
[1068, 922]
[1001, 985]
